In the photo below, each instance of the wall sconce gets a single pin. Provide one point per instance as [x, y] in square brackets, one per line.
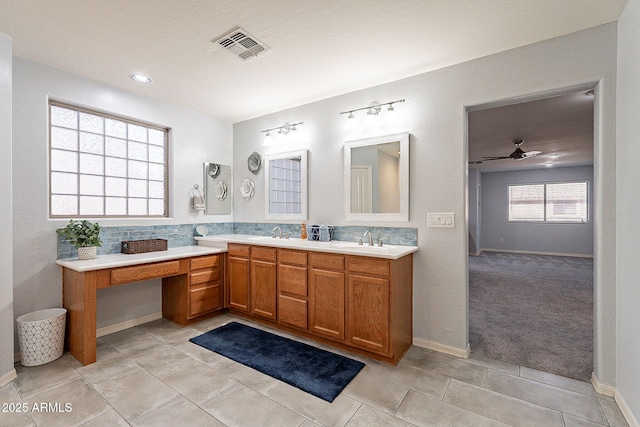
[281, 131]
[373, 111]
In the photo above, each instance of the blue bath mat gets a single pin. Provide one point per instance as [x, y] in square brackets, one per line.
[316, 371]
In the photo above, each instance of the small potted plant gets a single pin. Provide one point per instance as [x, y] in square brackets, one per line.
[84, 235]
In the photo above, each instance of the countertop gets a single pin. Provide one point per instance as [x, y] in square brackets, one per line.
[120, 260]
[334, 246]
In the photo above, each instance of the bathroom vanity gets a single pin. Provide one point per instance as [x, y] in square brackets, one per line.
[340, 293]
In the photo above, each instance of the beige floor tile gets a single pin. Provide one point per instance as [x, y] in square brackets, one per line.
[443, 364]
[177, 412]
[241, 406]
[562, 382]
[136, 344]
[194, 380]
[571, 421]
[562, 400]
[506, 409]
[377, 393]
[18, 412]
[156, 358]
[67, 404]
[496, 365]
[169, 332]
[368, 417]
[126, 335]
[108, 419]
[414, 378]
[613, 413]
[105, 369]
[214, 322]
[134, 392]
[35, 378]
[336, 413]
[422, 410]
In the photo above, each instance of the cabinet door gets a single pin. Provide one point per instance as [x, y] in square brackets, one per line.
[368, 313]
[263, 289]
[204, 298]
[239, 284]
[326, 299]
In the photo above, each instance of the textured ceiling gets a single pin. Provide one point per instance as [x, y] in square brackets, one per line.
[318, 48]
[561, 126]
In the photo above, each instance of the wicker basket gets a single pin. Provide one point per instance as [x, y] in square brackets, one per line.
[141, 246]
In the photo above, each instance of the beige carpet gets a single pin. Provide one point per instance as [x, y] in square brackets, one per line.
[534, 311]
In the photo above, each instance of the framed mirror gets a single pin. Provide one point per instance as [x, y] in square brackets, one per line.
[286, 185]
[376, 183]
[217, 189]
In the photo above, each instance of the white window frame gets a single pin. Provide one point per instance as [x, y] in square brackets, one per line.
[544, 207]
[165, 130]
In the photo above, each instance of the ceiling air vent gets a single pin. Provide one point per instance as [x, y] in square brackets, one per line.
[240, 43]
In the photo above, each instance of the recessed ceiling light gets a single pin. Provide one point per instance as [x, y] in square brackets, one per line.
[554, 155]
[140, 78]
[549, 164]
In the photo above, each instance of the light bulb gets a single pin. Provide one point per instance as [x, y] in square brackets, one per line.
[268, 140]
[350, 123]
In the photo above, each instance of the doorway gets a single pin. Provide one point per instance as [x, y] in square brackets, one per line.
[531, 282]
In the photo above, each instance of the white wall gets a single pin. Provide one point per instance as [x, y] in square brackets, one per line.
[6, 249]
[474, 205]
[195, 137]
[533, 237]
[628, 174]
[434, 114]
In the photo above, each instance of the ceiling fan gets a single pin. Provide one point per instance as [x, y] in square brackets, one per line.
[518, 154]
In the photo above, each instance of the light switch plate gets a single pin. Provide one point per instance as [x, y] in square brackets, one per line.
[441, 220]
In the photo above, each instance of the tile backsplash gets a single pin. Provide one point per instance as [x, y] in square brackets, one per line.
[183, 234]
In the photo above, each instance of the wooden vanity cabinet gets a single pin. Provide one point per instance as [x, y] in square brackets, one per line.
[263, 274]
[196, 295]
[293, 301]
[326, 295]
[238, 277]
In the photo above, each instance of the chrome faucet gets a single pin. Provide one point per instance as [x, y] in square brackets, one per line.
[274, 231]
[370, 237]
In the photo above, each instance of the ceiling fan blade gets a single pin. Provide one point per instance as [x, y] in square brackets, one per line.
[532, 153]
[495, 158]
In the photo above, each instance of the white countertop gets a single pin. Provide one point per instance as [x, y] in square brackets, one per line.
[120, 260]
[334, 246]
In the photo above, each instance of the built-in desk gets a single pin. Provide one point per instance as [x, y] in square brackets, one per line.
[192, 288]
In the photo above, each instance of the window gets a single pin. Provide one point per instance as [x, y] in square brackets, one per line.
[286, 183]
[105, 166]
[557, 202]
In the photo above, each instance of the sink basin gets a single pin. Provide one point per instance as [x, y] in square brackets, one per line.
[364, 246]
[260, 238]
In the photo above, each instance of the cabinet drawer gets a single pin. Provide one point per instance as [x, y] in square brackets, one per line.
[292, 311]
[292, 257]
[204, 299]
[205, 262]
[238, 250]
[327, 262]
[265, 254]
[369, 266]
[208, 275]
[292, 280]
[144, 272]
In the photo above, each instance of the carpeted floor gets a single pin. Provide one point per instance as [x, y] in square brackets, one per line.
[534, 311]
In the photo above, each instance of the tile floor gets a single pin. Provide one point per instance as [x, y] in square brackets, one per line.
[151, 375]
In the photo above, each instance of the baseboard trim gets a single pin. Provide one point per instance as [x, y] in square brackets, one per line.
[511, 251]
[628, 415]
[605, 389]
[117, 327]
[8, 377]
[441, 348]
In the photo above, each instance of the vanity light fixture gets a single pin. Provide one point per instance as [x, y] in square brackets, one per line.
[372, 110]
[140, 78]
[283, 131]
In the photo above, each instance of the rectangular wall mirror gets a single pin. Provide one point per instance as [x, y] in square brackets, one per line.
[376, 172]
[217, 189]
[286, 185]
